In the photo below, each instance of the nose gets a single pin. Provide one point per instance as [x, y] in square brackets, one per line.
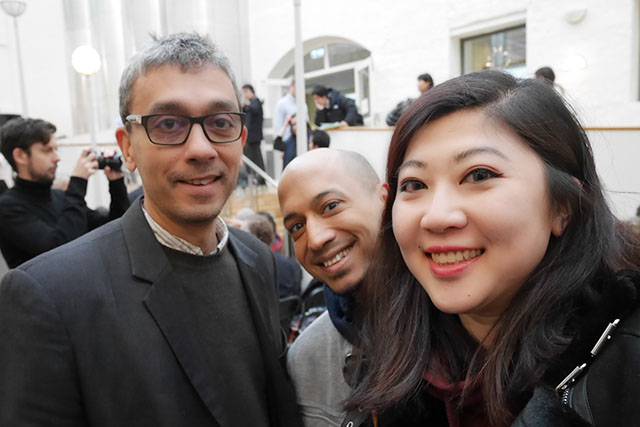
[318, 234]
[198, 147]
[56, 157]
[444, 213]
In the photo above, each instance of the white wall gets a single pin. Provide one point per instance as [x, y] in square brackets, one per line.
[42, 35]
[409, 37]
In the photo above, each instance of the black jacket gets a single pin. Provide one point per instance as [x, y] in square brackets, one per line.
[99, 333]
[254, 121]
[34, 218]
[338, 109]
[394, 115]
[606, 394]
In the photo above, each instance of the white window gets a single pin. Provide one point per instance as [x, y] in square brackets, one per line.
[502, 50]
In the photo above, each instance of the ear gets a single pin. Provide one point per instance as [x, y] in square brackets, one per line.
[243, 138]
[384, 191]
[20, 157]
[124, 142]
[560, 221]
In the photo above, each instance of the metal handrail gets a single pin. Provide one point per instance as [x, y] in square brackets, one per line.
[257, 169]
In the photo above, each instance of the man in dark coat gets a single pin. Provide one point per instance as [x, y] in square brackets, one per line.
[35, 218]
[332, 107]
[253, 110]
[165, 317]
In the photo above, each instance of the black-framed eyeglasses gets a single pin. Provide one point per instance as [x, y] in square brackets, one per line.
[174, 129]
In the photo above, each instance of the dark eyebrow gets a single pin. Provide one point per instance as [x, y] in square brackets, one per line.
[175, 107]
[166, 107]
[479, 150]
[323, 194]
[411, 164]
[458, 158]
[316, 199]
[224, 105]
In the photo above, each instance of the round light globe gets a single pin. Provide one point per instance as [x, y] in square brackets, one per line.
[85, 60]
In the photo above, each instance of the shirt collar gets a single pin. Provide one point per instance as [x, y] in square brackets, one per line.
[174, 242]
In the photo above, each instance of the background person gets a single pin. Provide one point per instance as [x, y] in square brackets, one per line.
[425, 82]
[485, 274]
[166, 316]
[289, 272]
[285, 109]
[332, 107]
[319, 139]
[289, 146]
[34, 218]
[253, 111]
[546, 75]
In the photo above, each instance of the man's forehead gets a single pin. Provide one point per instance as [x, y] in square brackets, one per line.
[172, 85]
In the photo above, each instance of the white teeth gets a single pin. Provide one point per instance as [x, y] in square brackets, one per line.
[200, 181]
[452, 257]
[336, 258]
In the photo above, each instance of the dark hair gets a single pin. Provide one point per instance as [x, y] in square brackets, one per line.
[269, 216]
[248, 86]
[259, 226]
[401, 328]
[546, 73]
[320, 91]
[190, 51]
[23, 133]
[320, 138]
[426, 77]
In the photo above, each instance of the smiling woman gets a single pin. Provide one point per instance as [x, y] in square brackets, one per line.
[498, 268]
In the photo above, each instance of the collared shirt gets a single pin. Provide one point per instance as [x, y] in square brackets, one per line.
[286, 106]
[174, 242]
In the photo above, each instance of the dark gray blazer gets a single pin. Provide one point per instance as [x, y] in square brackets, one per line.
[96, 332]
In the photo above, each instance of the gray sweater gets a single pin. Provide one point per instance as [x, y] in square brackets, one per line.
[315, 362]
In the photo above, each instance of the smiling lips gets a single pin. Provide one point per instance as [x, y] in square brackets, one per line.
[200, 181]
[337, 257]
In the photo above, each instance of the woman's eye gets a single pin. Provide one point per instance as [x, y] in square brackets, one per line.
[330, 206]
[481, 174]
[411, 185]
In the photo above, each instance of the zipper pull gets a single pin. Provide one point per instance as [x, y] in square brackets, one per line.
[571, 377]
[606, 335]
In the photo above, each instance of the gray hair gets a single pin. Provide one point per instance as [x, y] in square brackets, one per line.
[190, 51]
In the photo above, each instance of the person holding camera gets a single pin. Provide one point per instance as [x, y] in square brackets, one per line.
[35, 218]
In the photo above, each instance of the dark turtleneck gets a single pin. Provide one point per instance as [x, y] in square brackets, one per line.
[35, 218]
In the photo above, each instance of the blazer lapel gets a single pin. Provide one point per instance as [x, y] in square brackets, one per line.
[256, 288]
[167, 303]
[280, 395]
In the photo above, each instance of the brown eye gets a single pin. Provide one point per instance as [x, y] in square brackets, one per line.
[411, 185]
[481, 174]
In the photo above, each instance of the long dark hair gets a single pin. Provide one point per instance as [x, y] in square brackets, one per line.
[401, 328]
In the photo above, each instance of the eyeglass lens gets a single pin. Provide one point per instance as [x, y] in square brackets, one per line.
[170, 129]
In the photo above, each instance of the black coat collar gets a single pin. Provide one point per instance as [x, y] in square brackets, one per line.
[619, 294]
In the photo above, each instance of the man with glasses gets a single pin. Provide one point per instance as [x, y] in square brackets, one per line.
[166, 317]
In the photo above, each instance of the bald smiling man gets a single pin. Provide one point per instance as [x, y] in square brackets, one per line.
[331, 202]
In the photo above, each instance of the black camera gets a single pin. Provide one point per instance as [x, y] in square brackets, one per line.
[114, 162]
